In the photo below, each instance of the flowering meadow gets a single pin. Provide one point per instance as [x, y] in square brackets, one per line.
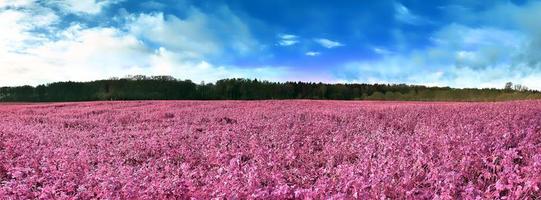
[270, 150]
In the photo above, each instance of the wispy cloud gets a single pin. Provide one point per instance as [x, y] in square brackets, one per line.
[288, 39]
[404, 15]
[460, 56]
[382, 51]
[328, 43]
[151, 44]
[78, 7]
[312, 53]
[44, 41]
[153, 5]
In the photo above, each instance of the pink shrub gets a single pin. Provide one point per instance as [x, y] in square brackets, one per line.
[270, 150]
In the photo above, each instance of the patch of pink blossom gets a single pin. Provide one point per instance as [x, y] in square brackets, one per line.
[270, 150]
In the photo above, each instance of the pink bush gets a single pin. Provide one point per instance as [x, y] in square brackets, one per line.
[270, 150]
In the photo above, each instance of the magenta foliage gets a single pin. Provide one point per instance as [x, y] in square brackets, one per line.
[270, 150]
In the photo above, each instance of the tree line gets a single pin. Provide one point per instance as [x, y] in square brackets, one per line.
[169, 88]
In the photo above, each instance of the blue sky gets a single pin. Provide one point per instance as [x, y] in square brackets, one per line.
[462, 43]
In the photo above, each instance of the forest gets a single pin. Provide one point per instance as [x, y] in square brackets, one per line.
[142, 87]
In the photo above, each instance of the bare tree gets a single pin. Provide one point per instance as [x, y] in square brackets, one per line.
[508, 86]
[519, 87]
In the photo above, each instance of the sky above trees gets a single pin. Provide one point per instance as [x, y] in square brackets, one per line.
[462, 43]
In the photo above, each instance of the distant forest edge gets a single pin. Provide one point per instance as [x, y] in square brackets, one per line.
[168, 88]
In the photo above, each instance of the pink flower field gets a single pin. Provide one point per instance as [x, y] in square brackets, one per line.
[270, 150]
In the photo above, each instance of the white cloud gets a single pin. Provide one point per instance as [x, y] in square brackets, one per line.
[464, 54]
[288, 40]
[404, 15]
[168, 62]
[193, 34]
[382, 51]
[17, 27]
[82, 54]
[460, 56]
[97, 53]
[173, 33]
[150, 44]
[79, 7]
[11, 36]
[15, 3]
[312, 53]
[328, 43]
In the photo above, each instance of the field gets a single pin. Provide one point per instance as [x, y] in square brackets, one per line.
[270, 150]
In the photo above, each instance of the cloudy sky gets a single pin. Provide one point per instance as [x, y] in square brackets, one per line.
[462, 43]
